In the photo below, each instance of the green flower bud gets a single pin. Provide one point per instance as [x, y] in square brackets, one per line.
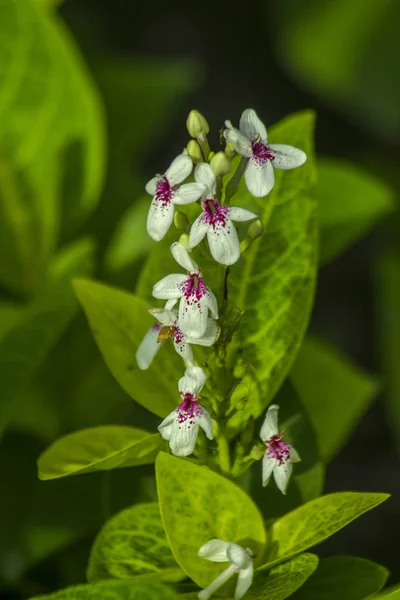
[220, 164]
[184, 240]
[197, 125]
[257, 452]
[255, 229]
[181, 221]
[195, 152]
[229, 149]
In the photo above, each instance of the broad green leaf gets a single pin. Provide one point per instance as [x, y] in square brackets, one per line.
[52, 139]
[315, 521]
[334, 392]
[133, 543]
[351, 201]
[274, 283]
[114, 590]
[119, 321]
[283, 579]
[343, 578]
[198, 505]
[98, 449]
[387, 292]
[392, 593]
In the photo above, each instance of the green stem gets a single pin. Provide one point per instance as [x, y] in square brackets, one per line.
[224, 454]
[233, 183]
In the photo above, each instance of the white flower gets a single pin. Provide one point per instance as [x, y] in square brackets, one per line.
[181, 427]
[195, 297]
[166, 193]
[279, 455]
[216, 221]
[168, 328]
[251, 142]
[241, 561]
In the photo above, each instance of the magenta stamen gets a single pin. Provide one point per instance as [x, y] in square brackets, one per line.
[261, 152]
[188, 410]
[193, 288]
[278, 449]
[164, 192]
[214, 214]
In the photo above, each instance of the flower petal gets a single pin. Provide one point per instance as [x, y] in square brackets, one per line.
[238, 556]
[179, 169]
[166, 427]
[182, 257]
[282, 473]
[168, 287]
[215, 550]
[241, 143]
[260, 179]
[188, 193]
[268, 465]
[210, 336]
[241, 214]
[192, 382]
[151, 186]
[183, 437]
[159, 218]
[198, 231]
[210, 302]
[287, 157]
[204, 421]
[270, 425]
[294, 455]
[166, 317]
[204, 174]
[192, 317]
[216, 584]
[244, 582]
[251, 126]
[224, 243]
[184, 350]
[148, 348]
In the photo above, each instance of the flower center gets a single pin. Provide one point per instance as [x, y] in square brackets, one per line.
[193, 288]
[278, 449]
[214, 214]
[261, 152]
[170, 331]
[164, 192]
[188, 410]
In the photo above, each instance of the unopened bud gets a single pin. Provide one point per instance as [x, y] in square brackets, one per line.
[257, 452]
[181, 221]
[194, 152]
[184, 240]
[255, 229]
[220, 164]
[197, 125]
[229, 149]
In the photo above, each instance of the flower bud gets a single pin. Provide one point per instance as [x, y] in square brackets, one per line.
[197, 125]
[194, 152]
[220, 164]
[181, 221]
[255, 229]
[257, 452]
[229, 149]
[184, 240]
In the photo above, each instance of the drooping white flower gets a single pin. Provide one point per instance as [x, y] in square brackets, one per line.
[181, 427]
[168, 328]
[216, 221]
[250, 141]
[241, 562]
[167, 192]
[195, 297]
[279, 455]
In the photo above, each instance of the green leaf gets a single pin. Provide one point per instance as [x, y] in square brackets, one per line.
[133, 543]
[334, 392]
[283, 579]
[315, 521]
[362, 202]
[274, 283]
[98, 449]
[392, 593]
[343, 578]
[114, 590]
[119, 321]
[52, 140]
[198, 505]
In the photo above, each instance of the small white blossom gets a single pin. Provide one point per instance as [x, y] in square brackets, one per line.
[168, 328]
[279, 455]
[195, 297]
[241, 562]
[250, 141]
[216, 221]
[167, 193]
[181, 427]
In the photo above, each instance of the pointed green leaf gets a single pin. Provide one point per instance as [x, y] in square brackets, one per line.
[315, 521]
[98, 449]
[392, 593]
[198, 505]
[334, 392]
[274, 283]
[283, 579]
[114, 590]
[362, 202]
[343, 578]
[133, 543]
[119, 321]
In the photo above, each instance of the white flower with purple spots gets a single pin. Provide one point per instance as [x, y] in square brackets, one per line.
[241, 560]
[195, 297]
[168, 328]
[216, 221]
[250, 141]
[279, 455]
[167, 193]
[181, 427]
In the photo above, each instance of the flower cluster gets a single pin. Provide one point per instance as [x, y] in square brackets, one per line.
[190, 314]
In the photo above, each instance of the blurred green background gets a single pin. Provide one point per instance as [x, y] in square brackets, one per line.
[93, 100]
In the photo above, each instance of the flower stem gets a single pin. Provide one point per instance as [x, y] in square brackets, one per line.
[224, 454]
[233, 183]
